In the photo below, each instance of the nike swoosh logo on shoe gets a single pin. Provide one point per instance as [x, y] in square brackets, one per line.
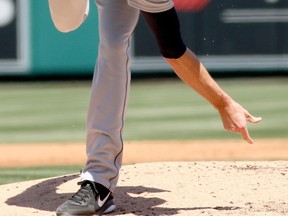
[102, 202]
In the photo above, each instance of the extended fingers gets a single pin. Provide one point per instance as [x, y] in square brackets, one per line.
[243, 131]
[245, 134]
[236, 122]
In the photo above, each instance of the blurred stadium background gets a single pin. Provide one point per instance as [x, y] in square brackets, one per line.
[45, 76]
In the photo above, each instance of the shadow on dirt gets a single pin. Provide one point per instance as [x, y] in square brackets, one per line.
[132, 199]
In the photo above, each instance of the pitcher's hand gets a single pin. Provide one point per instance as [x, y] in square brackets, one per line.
[234, 118]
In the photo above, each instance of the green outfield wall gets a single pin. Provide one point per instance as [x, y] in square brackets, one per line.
[227, 35]
[56, 52]
[41, 49]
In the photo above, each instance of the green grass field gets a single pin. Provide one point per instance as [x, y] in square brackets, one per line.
[11, 175]
[56, 112]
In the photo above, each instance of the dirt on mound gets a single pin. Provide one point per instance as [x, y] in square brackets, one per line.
[171, 188]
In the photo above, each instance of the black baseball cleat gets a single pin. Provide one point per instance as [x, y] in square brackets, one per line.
[87, 201]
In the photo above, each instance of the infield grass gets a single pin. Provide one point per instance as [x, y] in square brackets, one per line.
[56, 111]
[11, 175]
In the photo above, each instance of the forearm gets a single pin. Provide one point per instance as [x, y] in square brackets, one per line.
[192, 72]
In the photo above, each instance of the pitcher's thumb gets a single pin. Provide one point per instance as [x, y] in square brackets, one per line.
[252, 119]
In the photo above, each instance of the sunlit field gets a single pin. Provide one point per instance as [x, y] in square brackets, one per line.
[157, 109]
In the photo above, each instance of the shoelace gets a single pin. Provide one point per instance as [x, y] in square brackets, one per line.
[82, 194]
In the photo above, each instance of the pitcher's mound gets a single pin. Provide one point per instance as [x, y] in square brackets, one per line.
[196, 188]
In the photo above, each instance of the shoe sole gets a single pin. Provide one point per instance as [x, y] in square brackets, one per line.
[108, 207]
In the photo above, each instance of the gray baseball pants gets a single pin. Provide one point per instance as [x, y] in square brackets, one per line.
[110, 87]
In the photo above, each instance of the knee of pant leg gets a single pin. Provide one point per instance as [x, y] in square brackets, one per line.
[114, 46]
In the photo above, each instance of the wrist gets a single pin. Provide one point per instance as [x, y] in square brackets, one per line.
[222, 102]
